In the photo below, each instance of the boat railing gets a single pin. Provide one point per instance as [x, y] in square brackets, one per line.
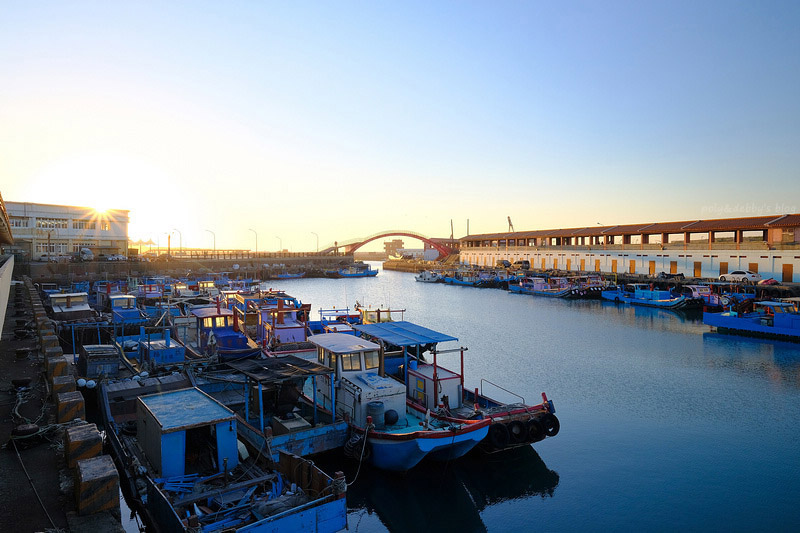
[501, 388]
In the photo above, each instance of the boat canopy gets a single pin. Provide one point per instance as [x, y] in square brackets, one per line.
[207, 312]
[342, 343]
[278, 369]
[403, 333]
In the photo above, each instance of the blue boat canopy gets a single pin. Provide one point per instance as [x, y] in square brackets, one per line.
[403, 333]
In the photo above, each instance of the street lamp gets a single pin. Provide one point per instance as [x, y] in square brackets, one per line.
[215, 240]
[256, 234]
[280, 243]
[180, 239]
[317, 236]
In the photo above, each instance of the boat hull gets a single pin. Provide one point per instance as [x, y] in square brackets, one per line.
[752, 325]
[403, 451]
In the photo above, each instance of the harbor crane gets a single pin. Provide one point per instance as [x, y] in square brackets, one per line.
[510, 225]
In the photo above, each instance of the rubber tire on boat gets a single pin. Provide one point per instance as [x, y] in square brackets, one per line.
[129, 427]
[517, 431]
[551, 424]
[616, 299]
[535, 430]
[498, 435]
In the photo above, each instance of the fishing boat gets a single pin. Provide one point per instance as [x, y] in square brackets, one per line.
[769, 319]
[465, 278]
[186, 466]
[648, 296]
[290, 275]
[586, 287]
[397, 436]
[124, 310]
[216, 334]
[442, 391]
[353, 272]
[70, 306]
[429, 276]
[537, 286]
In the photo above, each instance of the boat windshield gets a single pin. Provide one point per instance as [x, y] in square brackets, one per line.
[370, 360]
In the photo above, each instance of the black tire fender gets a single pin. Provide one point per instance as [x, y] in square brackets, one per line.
[535, 430]
[517, 431]
[551, 425]
[498, 435]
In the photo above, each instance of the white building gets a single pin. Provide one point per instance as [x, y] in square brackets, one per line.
[769, 245]
[61, 230]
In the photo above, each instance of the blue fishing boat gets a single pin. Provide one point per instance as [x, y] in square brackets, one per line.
[290, 275]
[772, 320]
[185, 465]
[648, 296]
[353, 272]
[398, 437]
[217, 334]
[442, 390]
[537, 286]
[124, 310]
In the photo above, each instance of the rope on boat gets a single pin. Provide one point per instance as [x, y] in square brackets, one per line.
[361, 458]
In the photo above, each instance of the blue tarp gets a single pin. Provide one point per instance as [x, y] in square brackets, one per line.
[403, 333]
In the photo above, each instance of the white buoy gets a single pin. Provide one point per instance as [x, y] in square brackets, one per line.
[81, 382]
[91, 384]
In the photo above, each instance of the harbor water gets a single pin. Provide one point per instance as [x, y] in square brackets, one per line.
[664, 425]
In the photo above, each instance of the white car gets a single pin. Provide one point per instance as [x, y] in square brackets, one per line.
[117, 257]
[741, 275]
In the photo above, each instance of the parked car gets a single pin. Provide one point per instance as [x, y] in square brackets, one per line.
[770, 281]
[503, 263]
[741, 275]
[522, 265]
[665, 275]
[116, 257]
[48, 258]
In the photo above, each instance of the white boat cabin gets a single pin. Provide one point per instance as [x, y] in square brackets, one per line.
[356, 363]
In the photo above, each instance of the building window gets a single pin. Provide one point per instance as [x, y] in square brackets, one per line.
[84, 224]
[49, 223]
[104, 226]
[17, 222]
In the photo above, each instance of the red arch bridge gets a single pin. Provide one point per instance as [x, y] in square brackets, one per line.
[352, 245]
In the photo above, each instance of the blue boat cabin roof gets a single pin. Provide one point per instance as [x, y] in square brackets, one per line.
[403, 333]
[184, 409]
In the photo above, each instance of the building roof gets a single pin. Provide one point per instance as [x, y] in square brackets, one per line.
[691, 226]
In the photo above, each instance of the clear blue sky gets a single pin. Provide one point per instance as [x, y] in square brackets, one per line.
[347, 118]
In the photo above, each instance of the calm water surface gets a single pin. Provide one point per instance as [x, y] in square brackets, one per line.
[664, 426]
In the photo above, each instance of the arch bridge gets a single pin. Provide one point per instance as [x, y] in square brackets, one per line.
[350, 246]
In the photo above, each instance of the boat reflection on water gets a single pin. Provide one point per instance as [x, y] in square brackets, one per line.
[446, 496]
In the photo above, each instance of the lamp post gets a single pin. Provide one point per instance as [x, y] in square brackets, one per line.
[280, 244]
[180, 240]
[215, 240]
[256, 234]
[317, 236]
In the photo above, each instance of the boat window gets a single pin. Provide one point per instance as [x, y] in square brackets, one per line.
[320, 356]
[370, 360]
[351, 361]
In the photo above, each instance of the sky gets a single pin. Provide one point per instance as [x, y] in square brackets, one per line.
[293, 123]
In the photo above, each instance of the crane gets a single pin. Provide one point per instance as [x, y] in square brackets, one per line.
[510, 225]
